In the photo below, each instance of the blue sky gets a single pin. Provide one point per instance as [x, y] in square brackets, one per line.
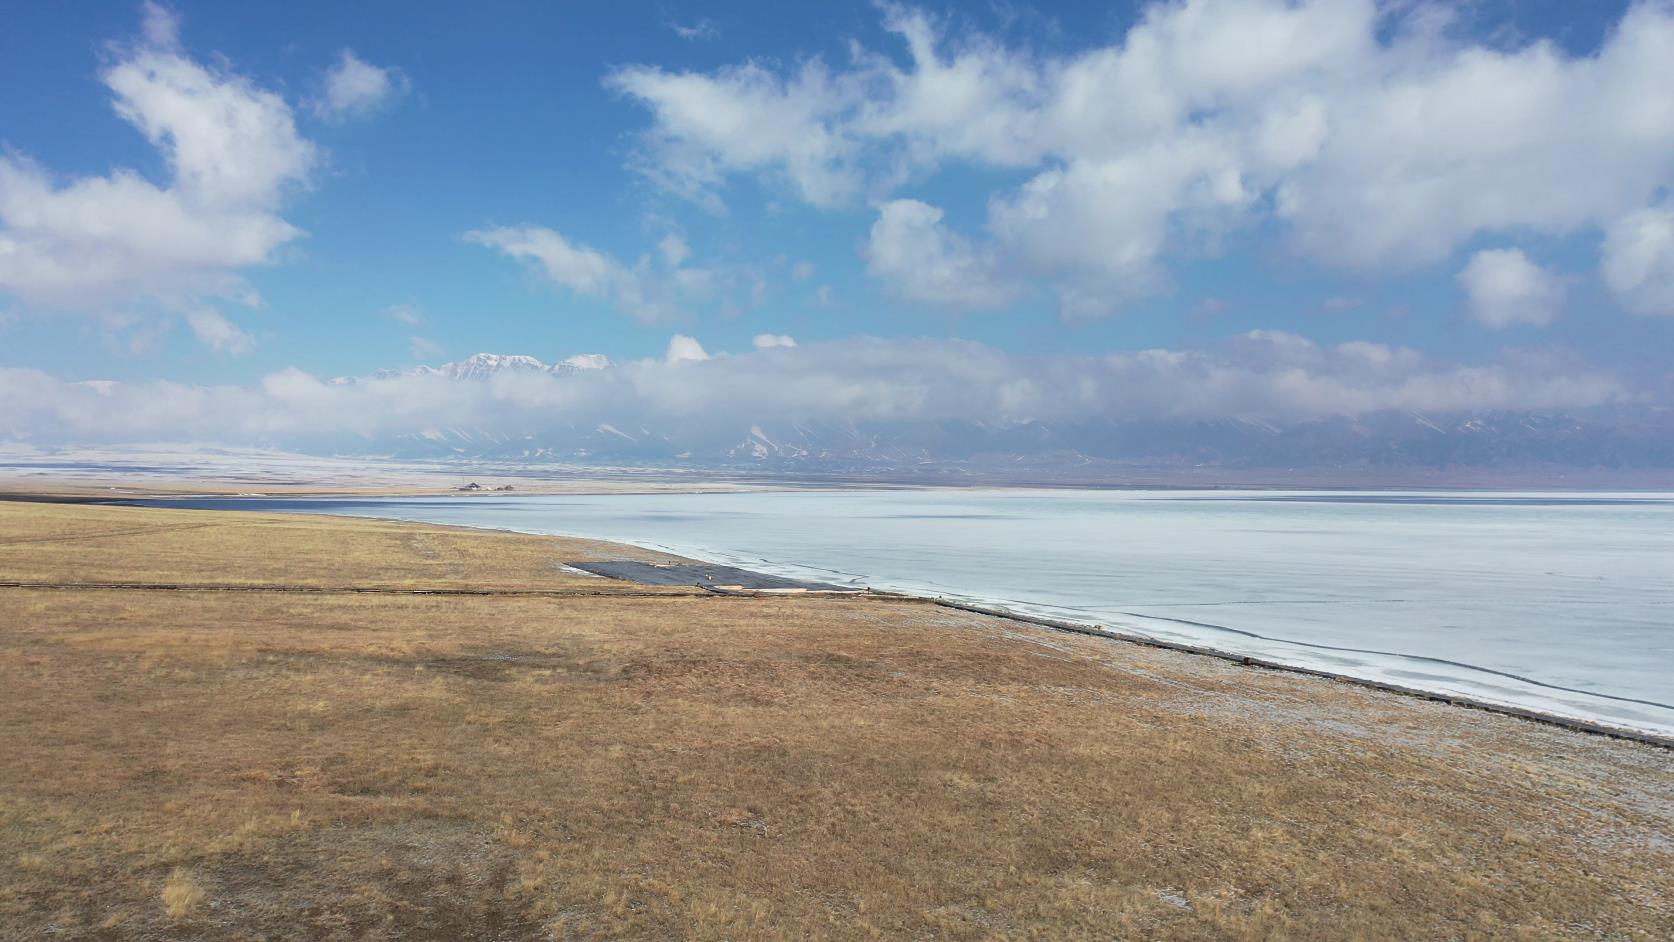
[1025, 178]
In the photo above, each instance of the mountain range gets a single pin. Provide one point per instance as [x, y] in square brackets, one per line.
[1395, 445]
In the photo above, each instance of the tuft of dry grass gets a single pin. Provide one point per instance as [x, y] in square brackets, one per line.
[341, 766]
[181, 895]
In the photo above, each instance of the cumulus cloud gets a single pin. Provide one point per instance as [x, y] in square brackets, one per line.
[1639, 260]
[354, 88]
[768, 341]
[1373, 136]
[95, 244]
[682, 349]
[744, 118]
[912, 253]
[1503, 289]
[1267, 375]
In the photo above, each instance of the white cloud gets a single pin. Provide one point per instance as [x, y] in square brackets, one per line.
[743, 118]
[674, 250]
[355, 88]
[159, 25]
[404, 314]
[920, 260]
[1503, 289]
[581, 269]
[1098, 227]
[96, 244]
[1639, 260]
[423, 348]
[694, 32]
[218, 333]
[652, 290]
[768, 341]
[1373, 136]
[682, 348]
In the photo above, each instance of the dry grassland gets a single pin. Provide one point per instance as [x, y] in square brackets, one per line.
[326, 765]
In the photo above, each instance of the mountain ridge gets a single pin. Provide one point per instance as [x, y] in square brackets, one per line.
[1603, 438]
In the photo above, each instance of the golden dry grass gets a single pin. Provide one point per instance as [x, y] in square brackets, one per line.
[97, 543]
[181, 894]
[334, 766]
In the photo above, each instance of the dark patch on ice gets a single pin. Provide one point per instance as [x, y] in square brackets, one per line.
[699, 574]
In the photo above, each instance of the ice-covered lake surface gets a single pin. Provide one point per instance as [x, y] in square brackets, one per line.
[1562, 603]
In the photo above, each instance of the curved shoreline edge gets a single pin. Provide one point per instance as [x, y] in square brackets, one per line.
[1100, 630]
[1091, 629]
[1550, 719]
[1097, 630]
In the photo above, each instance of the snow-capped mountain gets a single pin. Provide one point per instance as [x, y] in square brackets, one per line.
[482, 366]
[1353, 447]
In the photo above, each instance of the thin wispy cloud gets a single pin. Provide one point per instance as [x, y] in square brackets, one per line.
[696, 31]
[405, 314]
[353, 88]
[423, 348]
[658, 287]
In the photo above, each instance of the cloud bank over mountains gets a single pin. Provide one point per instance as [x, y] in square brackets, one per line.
[1263, 376]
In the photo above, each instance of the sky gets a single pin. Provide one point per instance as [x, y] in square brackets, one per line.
[999, 211]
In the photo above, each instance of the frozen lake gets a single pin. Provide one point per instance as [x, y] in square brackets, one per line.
[1559, 602]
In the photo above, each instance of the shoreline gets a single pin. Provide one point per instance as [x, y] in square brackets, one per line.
[1488, 706]
[186, 467]
[1124, 635]
[1579, 723]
